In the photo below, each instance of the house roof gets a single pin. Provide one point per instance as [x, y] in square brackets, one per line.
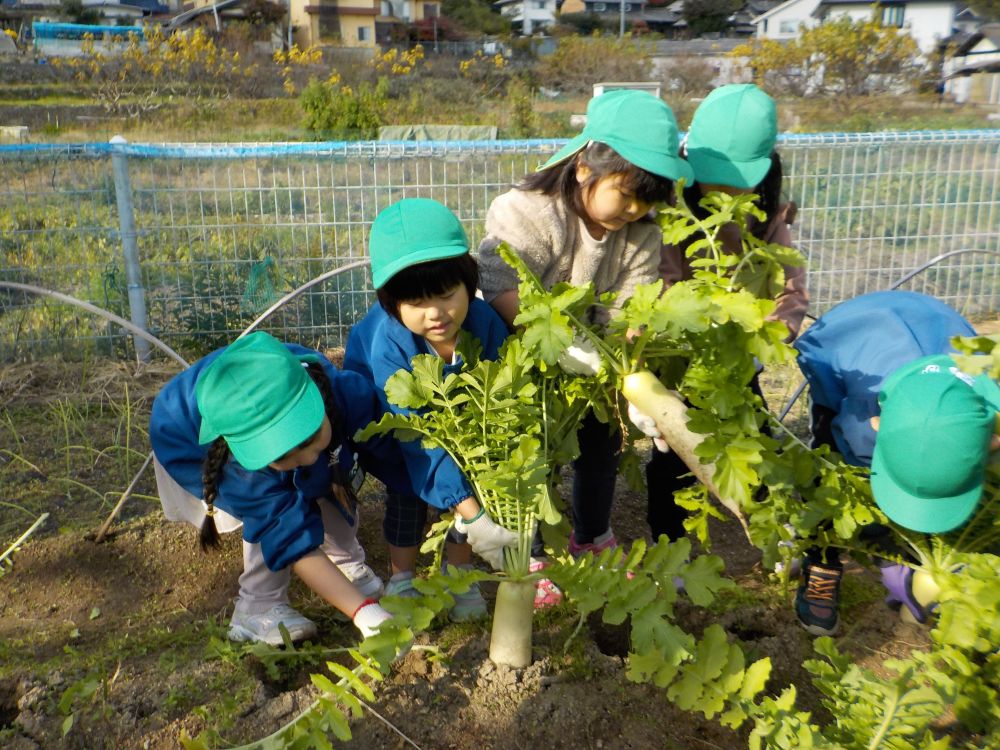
[189, 15]
[779, 6]
[981, 66]
[701, 47]
[961, 41]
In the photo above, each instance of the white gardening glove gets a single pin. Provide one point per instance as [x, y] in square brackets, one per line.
[581, 358]
[647, 426]
[369, 617]
[486, 537]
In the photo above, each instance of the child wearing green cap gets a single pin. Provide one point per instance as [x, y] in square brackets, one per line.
[425, 280]
[730, 147]
[848, 356]
[935, 433]
[584, 217]
[259, 434]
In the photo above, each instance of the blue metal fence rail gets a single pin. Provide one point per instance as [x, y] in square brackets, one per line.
[218, 232]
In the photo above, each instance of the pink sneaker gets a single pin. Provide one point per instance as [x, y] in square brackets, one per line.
[604, 541]
[547, 594]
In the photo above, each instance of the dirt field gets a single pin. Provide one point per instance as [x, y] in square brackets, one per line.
[122, 644]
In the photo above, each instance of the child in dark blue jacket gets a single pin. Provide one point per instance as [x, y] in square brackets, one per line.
[258, 434]
[426, 282]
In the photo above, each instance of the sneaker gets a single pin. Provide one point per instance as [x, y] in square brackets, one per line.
[469, 606]
[604, 541]
[547, 594]
[817, 602]
[401, 584]
[369, 584]
[264, 627]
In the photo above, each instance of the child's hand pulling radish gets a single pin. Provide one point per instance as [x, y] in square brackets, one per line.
[647, 426]
[486, 537]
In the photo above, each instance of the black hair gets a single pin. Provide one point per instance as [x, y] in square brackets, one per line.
[218, 455]
[429, 280]
[602, 160]
[768, 191]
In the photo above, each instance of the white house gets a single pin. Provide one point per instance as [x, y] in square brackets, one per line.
[972, 72]
[927, 21]
[783, 21]
[529, 15]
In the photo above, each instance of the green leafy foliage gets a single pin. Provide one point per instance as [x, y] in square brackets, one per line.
[505, 423]
[333, 109]
[511, 423]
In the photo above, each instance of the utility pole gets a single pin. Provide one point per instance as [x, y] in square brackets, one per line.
[621, 18]
[289, 25]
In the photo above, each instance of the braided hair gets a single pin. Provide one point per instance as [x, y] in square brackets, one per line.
[218, 454]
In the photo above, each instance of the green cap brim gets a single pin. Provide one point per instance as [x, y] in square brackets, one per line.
[715, 169]
[920, 514]
[434, 252]
[655, 162]
[571, 148]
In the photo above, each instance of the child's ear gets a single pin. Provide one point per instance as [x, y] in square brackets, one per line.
[874, 422]
[583, 172]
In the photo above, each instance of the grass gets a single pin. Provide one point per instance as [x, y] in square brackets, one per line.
[71, 449]
[279, 119]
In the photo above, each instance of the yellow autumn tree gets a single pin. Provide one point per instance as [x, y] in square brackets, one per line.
[842, 59]
[140, 73]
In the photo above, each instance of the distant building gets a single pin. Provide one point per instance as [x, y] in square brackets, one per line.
[528, 17]
[972, 66]
[927, 21]
[351, 23]
[714, 53]
[664, 17]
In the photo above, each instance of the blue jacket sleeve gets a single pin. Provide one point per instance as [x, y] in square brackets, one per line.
[359, 405]
[433, 474]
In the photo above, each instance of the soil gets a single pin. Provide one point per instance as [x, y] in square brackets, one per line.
[145, 612]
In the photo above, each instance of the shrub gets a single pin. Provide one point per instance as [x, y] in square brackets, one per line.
[842, 60]
[523, 121]
[580, 62]
[334, 109]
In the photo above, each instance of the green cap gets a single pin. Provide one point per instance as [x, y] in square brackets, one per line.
[933, 443]
[732, 136]
[640, 127]
[259, 397]
[412, 231]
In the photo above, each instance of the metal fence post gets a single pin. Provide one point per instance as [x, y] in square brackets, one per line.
[130, 248]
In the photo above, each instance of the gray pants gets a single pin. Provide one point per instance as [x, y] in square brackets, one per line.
[260, 587]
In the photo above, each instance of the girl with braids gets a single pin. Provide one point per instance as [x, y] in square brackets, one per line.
[730, 147]
[258, 434]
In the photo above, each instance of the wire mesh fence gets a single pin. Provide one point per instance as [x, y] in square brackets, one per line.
[196, 240]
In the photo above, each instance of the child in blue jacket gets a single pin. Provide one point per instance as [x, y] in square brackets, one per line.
[258, 434]
[426, 280]
[846, 357]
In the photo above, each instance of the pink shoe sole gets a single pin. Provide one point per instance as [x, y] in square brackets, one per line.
[547, 594]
